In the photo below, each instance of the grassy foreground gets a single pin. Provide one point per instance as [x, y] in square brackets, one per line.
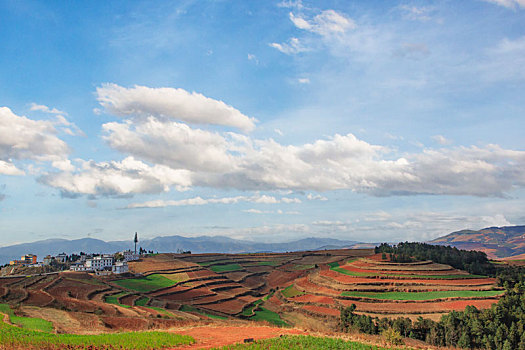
[299, 342]
[11, 336]
[424, 295]
[31, 323]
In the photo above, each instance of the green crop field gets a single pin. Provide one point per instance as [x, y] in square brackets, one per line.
[424, 295]
[226, 268]
[113, 299]
[299, 342]
[145, 284]
[248, 311]
[291, 291]
[266, 315]
[303, 267]
[142, 301]
[19, 338]
[214, 262]
[30, 323]
[188, 308]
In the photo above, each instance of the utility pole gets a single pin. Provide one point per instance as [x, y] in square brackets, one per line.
[136, 240]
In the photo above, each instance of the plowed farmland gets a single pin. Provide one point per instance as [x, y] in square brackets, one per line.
[177, 290]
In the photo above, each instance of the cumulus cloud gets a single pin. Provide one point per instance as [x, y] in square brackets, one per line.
[22, 138]
[313, 197]
[170, 104]
[236, 161]
[294, 46]
[278, 212]
[171, 143]
[260, 199]
[511, 4]
[128, 177]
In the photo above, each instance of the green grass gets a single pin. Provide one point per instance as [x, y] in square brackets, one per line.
[30, 323]
[269, 263]
[248, 311]
[424, 295]
[226, 268]
[291, 291]
[11, 336]
[215, 262]
[335, 267]
[189, 308]
[142, 301]
[113, 299]
[145, 284]
[299, 342]
[269, 296]
[269, 316]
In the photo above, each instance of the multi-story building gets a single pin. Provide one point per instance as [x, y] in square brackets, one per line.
[100, 262]
[130, 256]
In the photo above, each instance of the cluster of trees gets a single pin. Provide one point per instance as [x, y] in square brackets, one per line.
[472, 261]
[501, 327]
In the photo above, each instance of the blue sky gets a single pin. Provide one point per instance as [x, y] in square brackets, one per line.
[260, 120]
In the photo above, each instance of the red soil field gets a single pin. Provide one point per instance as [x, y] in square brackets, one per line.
[38, 298]
[419, 307]
[188, 295]
[231, 307]
[309, 298]
[305, 284]
[282, 279]
[321, 310]
[212, 337]
[253, 282]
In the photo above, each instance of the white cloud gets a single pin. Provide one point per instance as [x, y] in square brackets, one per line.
[416, 13]
[252, 57]
[257, 198]
[294, 46]
[303, 81]
[504, 61]
[171, 143]
[45, 109]
[22, 138]
[511, 4]
[170, 104]
[278, 132]
[8, 168]
[327, 23]
[278, 212]
[312, 197]
[442, 140]
[113, 178]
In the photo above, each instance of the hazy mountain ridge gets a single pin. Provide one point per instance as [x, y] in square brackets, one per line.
[497, 242]
[201, 244]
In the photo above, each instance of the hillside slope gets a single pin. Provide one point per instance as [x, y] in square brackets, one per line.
[496, 242]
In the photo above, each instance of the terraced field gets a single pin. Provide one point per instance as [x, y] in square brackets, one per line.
[304, 289]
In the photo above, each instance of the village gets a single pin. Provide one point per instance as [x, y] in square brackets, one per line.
[99, 264]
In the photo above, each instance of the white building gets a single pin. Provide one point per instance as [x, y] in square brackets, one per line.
[130, 256]
[120, 267]
[100, 262]
[80, 267]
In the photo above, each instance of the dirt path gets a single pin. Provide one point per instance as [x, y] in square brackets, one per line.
[210, 337]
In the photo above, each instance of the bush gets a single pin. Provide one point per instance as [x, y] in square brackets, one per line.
[392, 336]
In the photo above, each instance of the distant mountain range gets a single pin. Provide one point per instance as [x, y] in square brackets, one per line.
[202, 244]
[497, 242]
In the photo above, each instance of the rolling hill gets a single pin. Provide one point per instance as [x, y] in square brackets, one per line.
[496, 242]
